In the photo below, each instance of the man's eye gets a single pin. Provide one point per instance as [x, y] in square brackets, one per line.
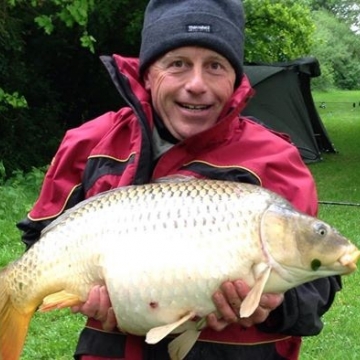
[177, 63]
[215, 66]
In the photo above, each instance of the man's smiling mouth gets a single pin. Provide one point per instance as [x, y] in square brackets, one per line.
[194, 107]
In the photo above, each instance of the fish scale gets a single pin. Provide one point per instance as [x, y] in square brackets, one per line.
[162, 250]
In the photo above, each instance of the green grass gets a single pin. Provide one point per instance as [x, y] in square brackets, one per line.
[338, 180]
[53, 335]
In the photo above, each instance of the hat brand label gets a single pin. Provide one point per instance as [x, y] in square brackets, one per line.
[198, 28]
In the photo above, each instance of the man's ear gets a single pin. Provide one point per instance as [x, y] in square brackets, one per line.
[146, 79]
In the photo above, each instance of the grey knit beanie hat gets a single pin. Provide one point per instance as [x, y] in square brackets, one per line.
[214, 24]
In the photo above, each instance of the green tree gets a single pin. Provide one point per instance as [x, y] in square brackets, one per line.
[347, 10]
[337, 48]
[10, 42]
[71, 13]
[49, 69]
[80, 14]
[277, 30]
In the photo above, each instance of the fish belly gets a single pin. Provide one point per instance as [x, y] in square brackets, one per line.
[158, 282]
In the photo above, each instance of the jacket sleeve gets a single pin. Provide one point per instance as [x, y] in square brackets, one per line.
[62, 186]
[31, 230]
[300, 313]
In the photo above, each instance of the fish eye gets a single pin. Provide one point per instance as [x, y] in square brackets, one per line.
[315, 264]
[321, 229]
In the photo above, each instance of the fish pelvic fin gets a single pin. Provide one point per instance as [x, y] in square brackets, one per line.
[252, 299]
[156, 334]
[13, 327]
[181, 345]
[59, 300]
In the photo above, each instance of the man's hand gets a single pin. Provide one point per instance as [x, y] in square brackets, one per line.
[228, 300]
[98, 306]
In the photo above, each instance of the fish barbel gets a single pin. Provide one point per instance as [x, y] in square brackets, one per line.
[162, 250]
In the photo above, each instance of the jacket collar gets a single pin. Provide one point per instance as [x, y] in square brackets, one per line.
[124, 72]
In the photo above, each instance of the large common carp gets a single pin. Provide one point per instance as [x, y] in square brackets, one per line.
[162, 250]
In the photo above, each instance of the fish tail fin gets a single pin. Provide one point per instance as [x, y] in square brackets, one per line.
[13, 326]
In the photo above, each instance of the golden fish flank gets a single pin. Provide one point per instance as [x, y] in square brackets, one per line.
[162, 250]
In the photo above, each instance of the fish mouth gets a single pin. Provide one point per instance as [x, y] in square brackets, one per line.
[349, 260]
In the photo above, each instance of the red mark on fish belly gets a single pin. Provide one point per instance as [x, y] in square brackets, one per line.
[154, 304]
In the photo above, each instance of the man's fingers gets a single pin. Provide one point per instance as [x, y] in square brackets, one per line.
[241, 287]
[224, 308]
[232, 296]
[98, 306]
[271, 301]
[216, 324]
[228, 301]
[91, 305]
[110, 323]
[103, 305]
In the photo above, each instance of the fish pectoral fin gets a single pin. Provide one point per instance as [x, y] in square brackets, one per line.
[252, 299]
[181, 345]
[59, 300]
[156, 334]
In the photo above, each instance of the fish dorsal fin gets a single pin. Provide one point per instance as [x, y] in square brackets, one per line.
[175, 178]
[156, 334]
[182, 344]
[252, 299]
[59, 300]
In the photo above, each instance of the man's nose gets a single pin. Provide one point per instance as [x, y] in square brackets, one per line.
[196, 82]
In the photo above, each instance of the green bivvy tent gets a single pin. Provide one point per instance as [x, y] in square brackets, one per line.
[283, 102]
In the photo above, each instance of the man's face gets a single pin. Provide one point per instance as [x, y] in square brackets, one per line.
[189, 88]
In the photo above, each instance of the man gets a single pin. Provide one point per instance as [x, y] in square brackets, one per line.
[184, 96]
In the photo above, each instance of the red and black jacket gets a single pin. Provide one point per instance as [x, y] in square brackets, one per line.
[116, 150]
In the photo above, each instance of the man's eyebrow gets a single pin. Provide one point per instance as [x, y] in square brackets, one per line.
[217, 57]
[171, 54]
